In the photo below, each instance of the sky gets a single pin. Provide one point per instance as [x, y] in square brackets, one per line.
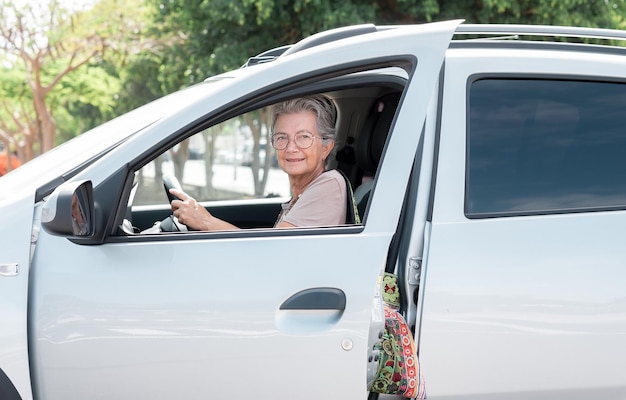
[70, 4]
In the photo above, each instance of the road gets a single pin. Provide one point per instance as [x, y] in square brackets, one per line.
[229, 178]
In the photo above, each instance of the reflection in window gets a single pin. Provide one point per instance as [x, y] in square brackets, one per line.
[79, 222]
[228, 161]
[539, 146]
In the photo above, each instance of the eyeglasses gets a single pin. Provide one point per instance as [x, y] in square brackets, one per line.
[280, 141]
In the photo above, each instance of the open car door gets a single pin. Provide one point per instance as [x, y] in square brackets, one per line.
[263, 312]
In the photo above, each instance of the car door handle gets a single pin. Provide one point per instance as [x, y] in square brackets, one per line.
[323, 298]
[10, 269]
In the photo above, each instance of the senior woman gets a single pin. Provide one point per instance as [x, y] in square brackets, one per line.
[303, 136]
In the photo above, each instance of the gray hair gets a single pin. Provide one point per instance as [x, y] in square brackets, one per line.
[318, 104]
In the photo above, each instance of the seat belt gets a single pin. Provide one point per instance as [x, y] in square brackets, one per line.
[352, 212]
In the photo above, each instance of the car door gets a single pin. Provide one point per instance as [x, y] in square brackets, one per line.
[525, 267]
[265, 313]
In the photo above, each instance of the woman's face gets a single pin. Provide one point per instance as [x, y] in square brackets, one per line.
[297, 162]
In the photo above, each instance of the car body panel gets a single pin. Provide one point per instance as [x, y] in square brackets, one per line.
[15, 231]
[522, 306]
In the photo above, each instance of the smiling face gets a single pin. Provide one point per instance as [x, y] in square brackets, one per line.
[301, 164]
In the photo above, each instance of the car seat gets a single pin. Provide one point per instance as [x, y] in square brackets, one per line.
[371, 143]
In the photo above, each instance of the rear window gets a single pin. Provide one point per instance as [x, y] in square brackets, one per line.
[545, 146]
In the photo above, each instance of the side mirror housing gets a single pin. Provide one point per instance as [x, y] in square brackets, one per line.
[70, 211]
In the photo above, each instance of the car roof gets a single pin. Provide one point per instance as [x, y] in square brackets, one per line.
[468, 33]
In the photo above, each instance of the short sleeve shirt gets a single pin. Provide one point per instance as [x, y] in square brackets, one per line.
[323, 203]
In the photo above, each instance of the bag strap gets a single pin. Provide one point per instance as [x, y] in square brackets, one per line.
[352, 212]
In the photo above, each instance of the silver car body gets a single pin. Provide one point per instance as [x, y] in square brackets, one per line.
[523, 304]
[190, 318]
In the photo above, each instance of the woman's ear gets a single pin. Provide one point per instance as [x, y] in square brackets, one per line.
[327, 148]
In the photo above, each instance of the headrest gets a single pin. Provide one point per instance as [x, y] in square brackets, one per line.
[371, 142]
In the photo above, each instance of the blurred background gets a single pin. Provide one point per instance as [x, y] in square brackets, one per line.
[69, 65]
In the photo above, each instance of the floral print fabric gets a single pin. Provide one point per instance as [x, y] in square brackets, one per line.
[398, 366]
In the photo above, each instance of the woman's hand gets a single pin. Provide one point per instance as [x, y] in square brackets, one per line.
[189, 212]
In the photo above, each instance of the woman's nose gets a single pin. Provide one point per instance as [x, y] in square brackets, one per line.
[291, 145]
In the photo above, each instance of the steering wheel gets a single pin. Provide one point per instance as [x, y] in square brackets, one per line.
[171, 223]
[171, 182]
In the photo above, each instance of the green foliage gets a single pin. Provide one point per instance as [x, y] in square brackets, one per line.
[537, 12]
[136, 89]
[406, 11]
[80, 101]
[220, 35]
[84, 100]
[13, 87]
[15, 95]
[64, 57]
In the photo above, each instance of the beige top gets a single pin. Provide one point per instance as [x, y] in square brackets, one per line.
[323, 203]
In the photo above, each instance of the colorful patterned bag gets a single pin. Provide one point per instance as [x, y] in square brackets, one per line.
[398, 367]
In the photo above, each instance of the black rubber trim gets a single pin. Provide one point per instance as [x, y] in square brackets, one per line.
[7, 389]
[330, 36]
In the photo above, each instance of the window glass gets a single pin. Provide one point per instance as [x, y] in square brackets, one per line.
[537, 146]
[229, 161]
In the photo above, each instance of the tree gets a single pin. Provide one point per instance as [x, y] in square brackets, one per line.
[538, 12]
[259, 123]
[46, 45]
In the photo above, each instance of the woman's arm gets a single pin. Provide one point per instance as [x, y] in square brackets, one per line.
[189, 212]
[283, 224]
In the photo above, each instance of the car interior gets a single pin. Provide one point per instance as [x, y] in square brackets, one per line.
[366, 104]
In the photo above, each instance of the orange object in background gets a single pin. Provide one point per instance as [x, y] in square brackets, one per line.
[4, 165]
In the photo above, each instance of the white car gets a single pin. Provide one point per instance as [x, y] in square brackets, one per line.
[491, 178]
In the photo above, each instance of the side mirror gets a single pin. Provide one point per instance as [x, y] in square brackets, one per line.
[70, 210]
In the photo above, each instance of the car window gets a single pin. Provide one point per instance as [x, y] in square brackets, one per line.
[228, 161]
[541, 146]
[232, 170]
